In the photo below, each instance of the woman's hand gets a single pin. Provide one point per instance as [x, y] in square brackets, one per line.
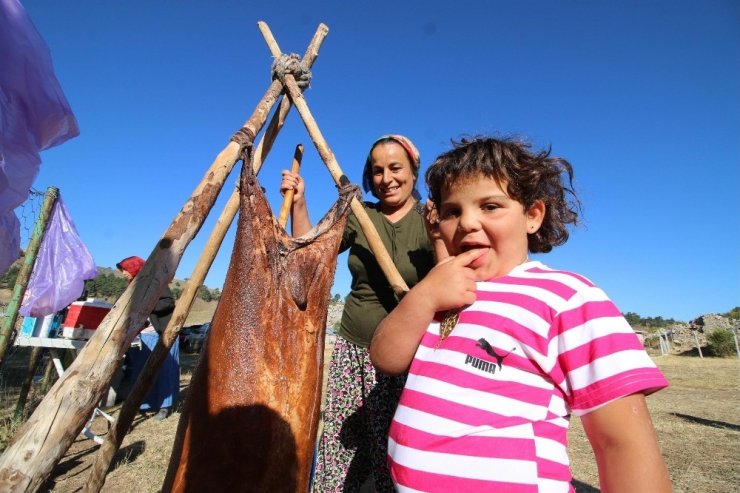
[431, 223]
[292, 181]
[300, 223]
[431, 220]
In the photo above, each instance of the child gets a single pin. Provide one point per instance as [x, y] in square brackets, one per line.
[501, 350]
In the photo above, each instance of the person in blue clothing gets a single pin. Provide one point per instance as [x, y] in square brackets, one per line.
[166, 388]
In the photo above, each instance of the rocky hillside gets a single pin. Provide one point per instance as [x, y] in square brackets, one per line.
[682, 335]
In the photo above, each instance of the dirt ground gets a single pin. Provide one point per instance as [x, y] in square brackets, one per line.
[697, 421]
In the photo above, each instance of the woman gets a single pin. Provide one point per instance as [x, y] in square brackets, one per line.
[167, 386]
[360, 402]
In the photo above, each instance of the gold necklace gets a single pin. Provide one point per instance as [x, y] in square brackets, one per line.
[449, 321]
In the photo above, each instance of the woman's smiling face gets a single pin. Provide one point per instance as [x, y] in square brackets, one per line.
[477, 212]
[393, 176]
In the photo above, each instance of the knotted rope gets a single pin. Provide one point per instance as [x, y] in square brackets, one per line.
[291, 64]
[244, 137]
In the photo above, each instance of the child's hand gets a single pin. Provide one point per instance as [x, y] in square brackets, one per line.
[451, 283]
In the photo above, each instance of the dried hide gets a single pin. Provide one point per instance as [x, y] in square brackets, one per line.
[250, 419]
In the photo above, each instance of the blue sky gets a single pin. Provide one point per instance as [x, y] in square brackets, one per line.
[643, 98]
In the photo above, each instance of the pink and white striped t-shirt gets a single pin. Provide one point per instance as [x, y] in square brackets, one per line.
[488, 410]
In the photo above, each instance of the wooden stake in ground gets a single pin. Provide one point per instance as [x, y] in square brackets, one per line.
[46, 436]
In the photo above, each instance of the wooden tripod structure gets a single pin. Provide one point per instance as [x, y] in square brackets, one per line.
[47, 435]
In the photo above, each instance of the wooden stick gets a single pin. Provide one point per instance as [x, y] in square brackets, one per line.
[373, 239]
[269, 39]
[118, 430]
[288, 199]
[278, 119]
[698, 346]
[33, 363]
[45, 437]
[49, 375]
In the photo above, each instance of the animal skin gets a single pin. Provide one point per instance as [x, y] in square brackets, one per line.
[251, 415]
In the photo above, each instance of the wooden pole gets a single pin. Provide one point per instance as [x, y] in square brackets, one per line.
[45, 437]
[33, 363]
[288, 199]
[49, 374]
[120, 427]
[24, 274]
[376, 244]
[698, 346]
[667, 342]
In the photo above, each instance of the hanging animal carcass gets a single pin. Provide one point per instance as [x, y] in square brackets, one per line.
[250, 419]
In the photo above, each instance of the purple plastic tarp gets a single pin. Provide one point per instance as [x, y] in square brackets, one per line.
[62, 265]
[34, 115]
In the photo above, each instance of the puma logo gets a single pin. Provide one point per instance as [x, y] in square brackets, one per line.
[486, 346]
[483, 365]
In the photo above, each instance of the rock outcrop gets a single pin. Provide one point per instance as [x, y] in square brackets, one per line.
[683, 336]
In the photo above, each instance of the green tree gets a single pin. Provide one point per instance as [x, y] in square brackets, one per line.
[733, 314]
[106, 286]
[632, 318]
[652, 322]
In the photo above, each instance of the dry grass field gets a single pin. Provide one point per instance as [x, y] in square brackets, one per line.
[697, 421]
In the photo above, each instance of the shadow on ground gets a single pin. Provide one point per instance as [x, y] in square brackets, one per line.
[708, 422]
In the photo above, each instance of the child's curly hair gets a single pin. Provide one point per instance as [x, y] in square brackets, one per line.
[529, 176]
